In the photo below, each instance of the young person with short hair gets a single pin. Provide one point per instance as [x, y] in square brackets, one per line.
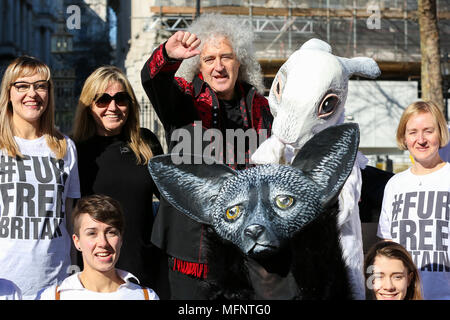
[98, 234]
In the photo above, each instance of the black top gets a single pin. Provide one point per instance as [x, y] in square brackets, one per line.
[230, 114]
[108, 166]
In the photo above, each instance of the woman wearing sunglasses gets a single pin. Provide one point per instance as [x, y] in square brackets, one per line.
[113, 154]
[38, 180]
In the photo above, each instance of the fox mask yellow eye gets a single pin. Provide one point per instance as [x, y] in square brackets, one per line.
[284, 202]
[233, 213]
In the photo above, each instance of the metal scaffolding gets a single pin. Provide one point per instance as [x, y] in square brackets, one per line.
[386, 30]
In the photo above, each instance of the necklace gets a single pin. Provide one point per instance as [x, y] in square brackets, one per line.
[421, 174]
[419, 178]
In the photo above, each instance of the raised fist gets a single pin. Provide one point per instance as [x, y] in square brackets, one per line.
[182, 45]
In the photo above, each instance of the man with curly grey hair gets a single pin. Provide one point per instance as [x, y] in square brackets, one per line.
[208, 73]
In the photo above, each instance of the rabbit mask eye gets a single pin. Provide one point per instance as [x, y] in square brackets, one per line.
[328, 105]
[278, 87]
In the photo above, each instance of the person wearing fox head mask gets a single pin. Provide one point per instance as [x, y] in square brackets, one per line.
[209, 74]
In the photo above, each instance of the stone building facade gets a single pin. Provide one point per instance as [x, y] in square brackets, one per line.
[26, 28]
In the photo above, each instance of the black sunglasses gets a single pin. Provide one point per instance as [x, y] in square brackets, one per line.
[121, 99]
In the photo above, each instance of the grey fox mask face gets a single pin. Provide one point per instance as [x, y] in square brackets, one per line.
[261, 208]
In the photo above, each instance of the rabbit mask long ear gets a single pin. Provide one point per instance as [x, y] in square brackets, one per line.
[360, 66]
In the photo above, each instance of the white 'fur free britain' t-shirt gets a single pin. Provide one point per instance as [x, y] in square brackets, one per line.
[415, 213]
[35, 245]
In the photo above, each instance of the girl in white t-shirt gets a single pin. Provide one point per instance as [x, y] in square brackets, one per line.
[38, 180]
[415, 211]
[98, 233]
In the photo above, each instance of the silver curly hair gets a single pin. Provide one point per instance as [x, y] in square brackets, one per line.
[209, 27]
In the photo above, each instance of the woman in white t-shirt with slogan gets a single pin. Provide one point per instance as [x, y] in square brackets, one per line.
[415, 210]
[38, 180]
[98, 225]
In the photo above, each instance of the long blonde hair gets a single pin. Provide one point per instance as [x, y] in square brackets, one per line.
[25, 66]
[84, 126]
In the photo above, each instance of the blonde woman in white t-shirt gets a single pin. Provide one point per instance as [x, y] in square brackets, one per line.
[38, 179]
[98, 232]
[415, 210]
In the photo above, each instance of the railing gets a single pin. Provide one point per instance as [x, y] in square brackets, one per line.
[64, 119]
[149, 120]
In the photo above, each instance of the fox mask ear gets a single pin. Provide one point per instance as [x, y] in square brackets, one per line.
[328, 158]
[191, 188]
